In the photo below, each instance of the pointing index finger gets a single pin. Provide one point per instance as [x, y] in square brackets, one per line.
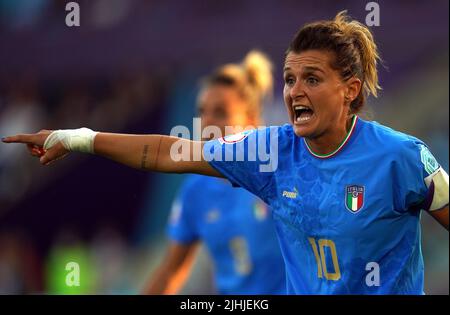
[20, 138]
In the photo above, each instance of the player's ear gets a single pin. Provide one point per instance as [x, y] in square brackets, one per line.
[353, 88]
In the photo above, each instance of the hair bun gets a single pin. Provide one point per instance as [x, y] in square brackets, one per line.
[258, 68]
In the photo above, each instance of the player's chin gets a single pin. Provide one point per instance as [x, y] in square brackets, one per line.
[304, 130]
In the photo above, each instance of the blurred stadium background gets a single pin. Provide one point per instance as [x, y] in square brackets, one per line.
[134, 67]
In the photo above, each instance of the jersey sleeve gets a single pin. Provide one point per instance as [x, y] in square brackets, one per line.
[181, 227]
[423, 183]
[247, 159]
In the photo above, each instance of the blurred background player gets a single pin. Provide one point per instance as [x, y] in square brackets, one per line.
[236, 226]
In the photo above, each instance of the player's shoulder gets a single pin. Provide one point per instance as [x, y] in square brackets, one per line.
[286, 130]
[388, 139]
[284, 134]
[283, 130]
[268, 133]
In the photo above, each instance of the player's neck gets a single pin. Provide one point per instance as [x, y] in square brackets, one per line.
[330, 141]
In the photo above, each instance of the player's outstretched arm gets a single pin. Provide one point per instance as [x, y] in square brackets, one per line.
[173, 271]
[147, 152]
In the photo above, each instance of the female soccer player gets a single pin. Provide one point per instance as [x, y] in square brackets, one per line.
[235, 225]
[346, 193]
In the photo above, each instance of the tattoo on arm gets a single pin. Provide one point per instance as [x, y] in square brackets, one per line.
[144, 157]
[157, 153]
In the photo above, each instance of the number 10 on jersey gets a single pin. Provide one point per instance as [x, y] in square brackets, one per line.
[319, 254]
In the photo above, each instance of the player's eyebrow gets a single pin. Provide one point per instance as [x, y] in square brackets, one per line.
[312, 69]
[306, 69]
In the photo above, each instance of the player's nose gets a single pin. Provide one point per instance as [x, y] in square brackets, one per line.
[297, 90]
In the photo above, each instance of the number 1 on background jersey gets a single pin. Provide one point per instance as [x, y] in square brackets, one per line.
[320, 258]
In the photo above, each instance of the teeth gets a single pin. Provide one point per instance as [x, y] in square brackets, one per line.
[303, 117]
[299, 119]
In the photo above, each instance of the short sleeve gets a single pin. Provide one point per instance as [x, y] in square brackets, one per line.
[416, 168]
[247, 159]
[181, 227]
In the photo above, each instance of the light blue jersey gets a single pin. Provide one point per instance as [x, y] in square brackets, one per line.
[347, 223]
[238, 231]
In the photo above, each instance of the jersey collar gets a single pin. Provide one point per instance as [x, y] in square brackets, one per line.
[343, 143]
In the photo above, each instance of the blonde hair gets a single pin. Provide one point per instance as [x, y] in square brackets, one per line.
[356, 53]
[252, 78]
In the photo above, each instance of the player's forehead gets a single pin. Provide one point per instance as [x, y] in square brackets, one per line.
[309, 60]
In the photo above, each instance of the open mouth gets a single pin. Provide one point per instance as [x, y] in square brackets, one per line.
[302, 113]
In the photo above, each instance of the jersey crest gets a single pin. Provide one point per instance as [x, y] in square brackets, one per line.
[354, 197]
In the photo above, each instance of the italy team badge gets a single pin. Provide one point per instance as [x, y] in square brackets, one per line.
[354, 198]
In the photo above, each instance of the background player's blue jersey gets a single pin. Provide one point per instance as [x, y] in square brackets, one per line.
[238, 231]
[349, 223]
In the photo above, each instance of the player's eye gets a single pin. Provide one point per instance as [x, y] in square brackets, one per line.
[311, 80]
[290, 81]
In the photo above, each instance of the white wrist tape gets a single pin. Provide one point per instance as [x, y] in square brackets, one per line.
[75, 140]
